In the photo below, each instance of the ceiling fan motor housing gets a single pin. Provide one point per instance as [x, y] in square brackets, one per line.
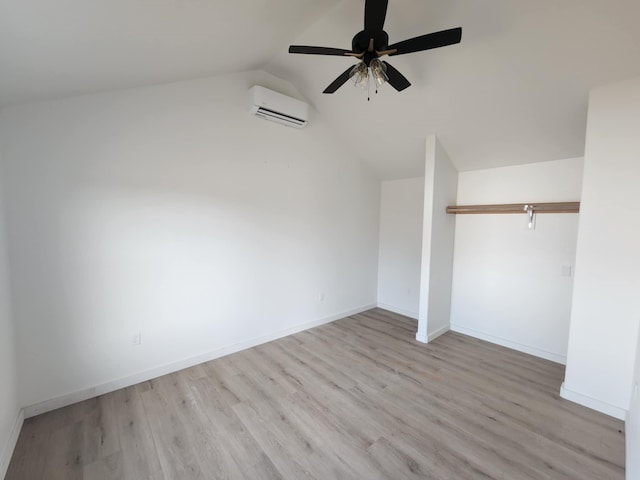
[360, 42]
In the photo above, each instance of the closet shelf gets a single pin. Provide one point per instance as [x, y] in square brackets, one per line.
[555, 207]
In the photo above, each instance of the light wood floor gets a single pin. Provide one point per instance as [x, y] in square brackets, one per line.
[355, 399]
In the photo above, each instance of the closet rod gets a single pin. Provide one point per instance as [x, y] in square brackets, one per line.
[554, 207]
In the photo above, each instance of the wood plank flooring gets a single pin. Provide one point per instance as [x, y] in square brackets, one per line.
[355, 399]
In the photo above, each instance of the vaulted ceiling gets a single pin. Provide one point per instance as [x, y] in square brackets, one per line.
[514, 91]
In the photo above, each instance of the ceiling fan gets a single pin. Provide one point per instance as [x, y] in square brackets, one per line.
[372, 43]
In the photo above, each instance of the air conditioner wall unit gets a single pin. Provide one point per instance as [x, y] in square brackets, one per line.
[276, 107]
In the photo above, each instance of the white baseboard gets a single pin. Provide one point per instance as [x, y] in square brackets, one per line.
[538, 352]
[433, 335]
[398, 310]
[79, 396]
[592, 403]
[10, 446]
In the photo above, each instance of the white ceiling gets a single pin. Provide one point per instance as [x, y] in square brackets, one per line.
[56, 48]
[514, 91]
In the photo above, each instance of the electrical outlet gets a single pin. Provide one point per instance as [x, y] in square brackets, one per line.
[136, 338]
[321, 297]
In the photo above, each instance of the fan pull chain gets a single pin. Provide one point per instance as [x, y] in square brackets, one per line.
[376, 84]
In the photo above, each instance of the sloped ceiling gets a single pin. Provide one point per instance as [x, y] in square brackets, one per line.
[514, 91]
[57, 48]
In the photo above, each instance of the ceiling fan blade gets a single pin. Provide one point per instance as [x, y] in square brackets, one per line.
[338, 82]
[396, 79]
[319, 50]
[375, 12]
[427, 42]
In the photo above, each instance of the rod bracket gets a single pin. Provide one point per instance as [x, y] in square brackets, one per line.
[531, 213]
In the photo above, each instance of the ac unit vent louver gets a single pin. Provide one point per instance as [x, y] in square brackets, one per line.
[275, 107]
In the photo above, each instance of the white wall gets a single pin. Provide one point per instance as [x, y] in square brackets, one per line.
[171, 211]
[441, 183]
[606, 303]
[632, 429]
[9, 407]
[508, 286]
[401, 212]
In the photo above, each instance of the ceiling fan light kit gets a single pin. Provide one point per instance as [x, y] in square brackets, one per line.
[378, 72]
[360, 75]
[371, 44]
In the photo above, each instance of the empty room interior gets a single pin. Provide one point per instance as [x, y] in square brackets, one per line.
[224, 256]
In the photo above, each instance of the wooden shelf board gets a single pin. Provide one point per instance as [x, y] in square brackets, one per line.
[553, 207]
